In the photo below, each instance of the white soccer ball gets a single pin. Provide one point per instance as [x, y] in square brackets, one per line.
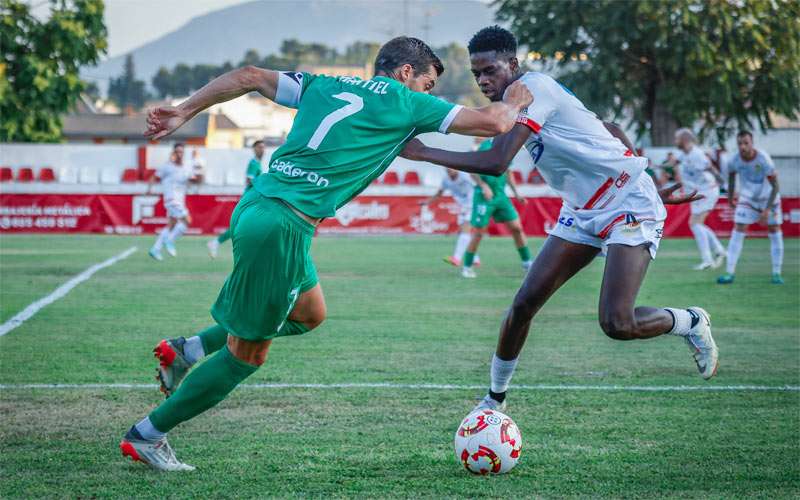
[488, 442]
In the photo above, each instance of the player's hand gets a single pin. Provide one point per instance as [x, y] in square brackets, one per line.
[667, 197]
[487, 193]
[763, 219]
[413, 150]
[163, 121]
[518, 95]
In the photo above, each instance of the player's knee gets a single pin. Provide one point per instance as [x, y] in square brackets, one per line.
[316, 317]
[523, 308]
[618, 326]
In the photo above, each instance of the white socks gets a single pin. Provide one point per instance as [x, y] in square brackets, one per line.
[700, 236]
[683, 322]
[501, 373]
[147, 431]
[734, 250]
[177, 231]
[163, 236]
[193, 350]
[461, 245]
[713, 241]
[776, 251]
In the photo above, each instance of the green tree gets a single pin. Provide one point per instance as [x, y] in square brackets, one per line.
[162, 82]
[670, 63]
[457, 83]
[39, 64]
[126, 90]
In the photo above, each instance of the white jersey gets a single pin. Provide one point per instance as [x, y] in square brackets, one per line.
[174, 179]
[694, 167]
[752, 177]
[461, 188]
[574, 152]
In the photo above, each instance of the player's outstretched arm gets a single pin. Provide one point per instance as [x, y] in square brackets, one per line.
[492, 161]
[165, 120]
[496, 118]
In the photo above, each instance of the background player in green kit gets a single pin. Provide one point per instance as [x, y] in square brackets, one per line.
[345, 134]
[491, 202]
[254, 169]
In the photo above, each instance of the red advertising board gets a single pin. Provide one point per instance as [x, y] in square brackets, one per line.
[142, 214]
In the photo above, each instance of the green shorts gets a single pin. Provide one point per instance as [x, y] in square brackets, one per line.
[272, 266]
[499, 208]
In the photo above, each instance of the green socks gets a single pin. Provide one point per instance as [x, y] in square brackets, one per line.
[524, 253]
[213, 339]
[203, 388]
[222, 238]
[469, 258]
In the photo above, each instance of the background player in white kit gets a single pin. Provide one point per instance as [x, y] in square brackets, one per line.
[607, 206]
[759, 200]
[175, 177]
[696, 172]
[461, 187]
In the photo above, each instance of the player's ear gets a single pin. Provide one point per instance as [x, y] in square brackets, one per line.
[405, 72]
[513, 64]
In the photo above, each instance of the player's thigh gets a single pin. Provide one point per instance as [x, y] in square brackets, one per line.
[626, 267]
[557, 262]
[310, 308]
[698, 218]
[481, 214]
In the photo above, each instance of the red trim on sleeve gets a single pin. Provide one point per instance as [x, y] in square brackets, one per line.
[531, 124]
[599, 193]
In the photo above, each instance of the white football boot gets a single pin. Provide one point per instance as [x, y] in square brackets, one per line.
[703, 266]
[468, 272]
[170, 248]
[488, 403]
[157, 454]
[155, 253]
[172, 365]
[702, 345]
[719, 259]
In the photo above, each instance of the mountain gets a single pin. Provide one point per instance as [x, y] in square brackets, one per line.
[226, 34]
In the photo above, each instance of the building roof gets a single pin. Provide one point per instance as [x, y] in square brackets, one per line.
[224, 122]
[119, 126]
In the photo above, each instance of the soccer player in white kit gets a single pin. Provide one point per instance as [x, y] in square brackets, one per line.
[608, 206]
[696, 173]
[175, 177]
[759, 200]
[461, 187]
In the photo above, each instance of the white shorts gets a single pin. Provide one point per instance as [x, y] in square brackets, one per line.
[706, 204]
[748, 212]
[637, 220]
[464, 214]
[176, 209]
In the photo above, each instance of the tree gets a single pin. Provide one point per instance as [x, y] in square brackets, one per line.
[40, 62]
[670, 63]
[457, 83]
[126, 90]
[162, 82]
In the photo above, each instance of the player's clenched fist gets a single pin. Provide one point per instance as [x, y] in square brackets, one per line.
[518, 95]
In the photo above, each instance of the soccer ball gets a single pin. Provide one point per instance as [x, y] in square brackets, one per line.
[488, 442]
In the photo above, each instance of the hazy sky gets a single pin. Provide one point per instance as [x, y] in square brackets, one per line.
[131, 23]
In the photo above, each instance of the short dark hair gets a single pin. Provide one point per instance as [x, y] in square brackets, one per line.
[743, 133]
[257, 143]
[493, 38]
[178, 145]
[407, 50]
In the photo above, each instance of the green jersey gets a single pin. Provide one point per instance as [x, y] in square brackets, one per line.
[496, 184]
[253, 168]
[346, 133]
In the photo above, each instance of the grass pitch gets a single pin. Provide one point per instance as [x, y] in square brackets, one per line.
[398, 314]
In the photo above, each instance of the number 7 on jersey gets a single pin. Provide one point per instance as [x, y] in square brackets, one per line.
[356, 104]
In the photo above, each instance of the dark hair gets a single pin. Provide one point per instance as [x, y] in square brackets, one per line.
[257, 143]
[743, 133]
[493, 38]
[407, 50]
[178, 145]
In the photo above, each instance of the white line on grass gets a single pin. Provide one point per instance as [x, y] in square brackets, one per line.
[446, 387]
[59, 292]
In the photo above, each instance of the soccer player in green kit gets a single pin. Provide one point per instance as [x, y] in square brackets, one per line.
[345, 134]
[491, 202]
[253, 170]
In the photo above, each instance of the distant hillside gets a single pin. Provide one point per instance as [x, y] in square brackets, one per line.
[226, 34]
